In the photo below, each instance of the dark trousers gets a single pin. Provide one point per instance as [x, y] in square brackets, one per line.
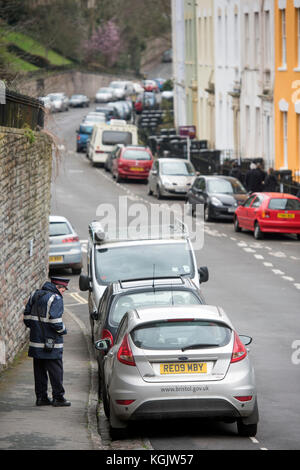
[52, 367]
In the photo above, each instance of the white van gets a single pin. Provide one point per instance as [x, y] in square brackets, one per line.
[106, 136]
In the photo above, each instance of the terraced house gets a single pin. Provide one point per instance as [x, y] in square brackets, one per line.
[241, 77]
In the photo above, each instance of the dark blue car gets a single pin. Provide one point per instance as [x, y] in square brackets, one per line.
[83, 134]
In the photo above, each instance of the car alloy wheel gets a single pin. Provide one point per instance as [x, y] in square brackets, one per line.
[237, 227]
[258, 235]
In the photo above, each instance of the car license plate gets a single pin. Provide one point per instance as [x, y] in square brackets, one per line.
[136, 168]
[184, 368]
[231, 209]
[286, 216]
[55, 259]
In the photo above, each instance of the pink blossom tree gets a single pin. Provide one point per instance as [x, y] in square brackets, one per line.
[105, 41]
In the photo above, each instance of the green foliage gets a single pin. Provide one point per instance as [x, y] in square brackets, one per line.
[168, 85]
[29, 134]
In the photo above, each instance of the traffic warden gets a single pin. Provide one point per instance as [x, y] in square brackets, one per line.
[43, 315]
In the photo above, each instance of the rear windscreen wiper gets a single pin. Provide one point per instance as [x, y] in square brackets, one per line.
[200, 346]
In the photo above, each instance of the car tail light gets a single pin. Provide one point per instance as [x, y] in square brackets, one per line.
[124, 402]
[125, 354]
[239, 351]
[244, 398]
[99, 151]
[70, 240]
[106, 334]
[78, 137]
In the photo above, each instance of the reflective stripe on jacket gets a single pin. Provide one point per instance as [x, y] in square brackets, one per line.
[50, 307]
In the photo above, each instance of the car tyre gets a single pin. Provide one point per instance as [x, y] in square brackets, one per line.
[207, 216]
[298, 236]
[105, 399]
[150, 192]
[237, 227]
[258, 235]
[158, 193]
[246, 430]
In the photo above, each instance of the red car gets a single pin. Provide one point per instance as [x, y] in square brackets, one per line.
[150, 85]
[132, 162]
[269, 212]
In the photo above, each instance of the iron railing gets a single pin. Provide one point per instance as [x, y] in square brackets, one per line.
[21, 111]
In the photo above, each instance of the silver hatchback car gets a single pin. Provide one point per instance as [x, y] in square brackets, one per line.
[64, 245]
[171, 177]
[178, 362]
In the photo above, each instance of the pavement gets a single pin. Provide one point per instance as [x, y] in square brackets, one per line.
[25, 426]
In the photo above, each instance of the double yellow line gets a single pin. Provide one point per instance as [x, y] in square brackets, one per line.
[78, 298]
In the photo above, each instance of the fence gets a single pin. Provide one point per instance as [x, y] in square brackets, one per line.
[20, 111]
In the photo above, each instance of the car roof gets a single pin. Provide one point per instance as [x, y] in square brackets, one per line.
[201, 311]
[57, 218]
[157, 283]
[172, 160]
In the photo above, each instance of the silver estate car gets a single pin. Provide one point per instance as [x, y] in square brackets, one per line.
[64, 245]
[171, 177]
[178, 362]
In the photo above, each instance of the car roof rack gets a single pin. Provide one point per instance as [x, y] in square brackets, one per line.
[177, 230]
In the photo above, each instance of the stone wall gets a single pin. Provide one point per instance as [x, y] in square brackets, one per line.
[25, 179]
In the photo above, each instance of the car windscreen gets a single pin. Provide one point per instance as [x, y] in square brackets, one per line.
[221, 186]
[58, 228]
[143, 261]
[136, 155]
[154, 298]
[177, 168]
[284, 204]
[177, 334]
[86, 129]
[116, 137]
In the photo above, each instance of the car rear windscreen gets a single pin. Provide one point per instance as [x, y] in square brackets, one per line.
[116, 137]
[136, 155]
[58, 228]
[143, 262]
[177, 334]
[282, 204]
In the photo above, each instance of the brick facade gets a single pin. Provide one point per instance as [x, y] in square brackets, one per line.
[25, 180]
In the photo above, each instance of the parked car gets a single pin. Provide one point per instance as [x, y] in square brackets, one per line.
[171, 177]
[178, 362]
[94, 118]
[109, 111]
[219, 194]
[60, 101]
[167, 56]
[47, 103]
[110, 157]
[104, 95]
[83, 134]
[79, 101]
[132, 162]
[119, 297]
[64, 245]
[150, 85]
[113, 257]
[121, 89]
[160, 82]
[269, 213]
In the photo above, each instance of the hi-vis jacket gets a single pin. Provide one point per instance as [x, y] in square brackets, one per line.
[51, 309]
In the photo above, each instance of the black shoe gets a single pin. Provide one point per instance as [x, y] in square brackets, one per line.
[43, 402]
[60, 402]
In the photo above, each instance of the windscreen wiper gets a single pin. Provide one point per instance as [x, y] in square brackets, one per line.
[200, 346]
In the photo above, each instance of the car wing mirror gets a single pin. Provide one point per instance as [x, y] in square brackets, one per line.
[84, 282]
[203, 274]
[95, 315]
[246, 340]
[102, 345]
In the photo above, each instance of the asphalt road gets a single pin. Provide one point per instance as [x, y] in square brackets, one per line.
[257, 283]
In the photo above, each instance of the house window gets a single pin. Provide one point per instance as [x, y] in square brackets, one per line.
[283, 37]
[247, 40]
[257, 131]
[267, 39]
[285, 139]
[257, 38]
[236, 39]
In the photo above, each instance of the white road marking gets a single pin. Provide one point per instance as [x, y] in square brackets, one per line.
[269, 265]
[278, 272]
[258, 256]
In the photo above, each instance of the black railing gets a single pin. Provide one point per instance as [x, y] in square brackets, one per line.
[21, 111]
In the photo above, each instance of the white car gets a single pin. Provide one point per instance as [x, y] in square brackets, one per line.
[64, 245]
[178, 362]
[104, 95]
[60, 101]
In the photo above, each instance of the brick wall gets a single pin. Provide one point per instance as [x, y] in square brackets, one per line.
[25, 179]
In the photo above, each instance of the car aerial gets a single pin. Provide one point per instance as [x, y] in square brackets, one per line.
[219, 194]
[60, 101]
[121, 296]
[178, 362]
[79, 101]
[104, 95]
[65, 248]
[83, 134]
[161, 253]
[269, 213]
[132, 162]
[150, 85]
[171, 177]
